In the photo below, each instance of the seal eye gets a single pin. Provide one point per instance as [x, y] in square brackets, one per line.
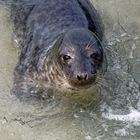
[95, 57]
[66, 58]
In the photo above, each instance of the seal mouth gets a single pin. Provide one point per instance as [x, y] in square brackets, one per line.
[82, 84]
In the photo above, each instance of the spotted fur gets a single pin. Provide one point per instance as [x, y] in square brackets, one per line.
[41, 27]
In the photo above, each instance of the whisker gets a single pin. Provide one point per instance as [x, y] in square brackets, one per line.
[93, 43]
[101, 84]
[115, 76]
[106, 39]
[89, 42]
[102, 79]
[70, 43]
[111, 50]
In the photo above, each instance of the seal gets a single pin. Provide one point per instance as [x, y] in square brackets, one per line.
[61, 47]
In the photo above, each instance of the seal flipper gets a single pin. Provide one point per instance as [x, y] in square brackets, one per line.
[94, 19]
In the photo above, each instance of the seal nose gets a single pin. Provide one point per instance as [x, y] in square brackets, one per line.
[82, 77]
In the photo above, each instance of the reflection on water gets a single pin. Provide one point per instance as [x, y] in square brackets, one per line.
[118, 116]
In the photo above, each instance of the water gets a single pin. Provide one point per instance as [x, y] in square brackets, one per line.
[116, 118]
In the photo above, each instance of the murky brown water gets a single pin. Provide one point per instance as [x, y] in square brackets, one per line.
[117, 118]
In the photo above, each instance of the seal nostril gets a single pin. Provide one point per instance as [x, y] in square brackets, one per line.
[82, 77]
[86, 76]
[79, 77]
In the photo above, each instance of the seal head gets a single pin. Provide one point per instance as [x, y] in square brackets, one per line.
[79, 59]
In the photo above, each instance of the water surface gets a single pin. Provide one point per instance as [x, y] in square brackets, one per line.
[116, 118]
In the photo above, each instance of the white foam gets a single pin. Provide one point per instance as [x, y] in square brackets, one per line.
[88, 137]
[132, 51]
[133, 116]
[121, 132]
[124, 34]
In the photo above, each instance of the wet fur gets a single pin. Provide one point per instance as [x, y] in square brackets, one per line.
[30, 73]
